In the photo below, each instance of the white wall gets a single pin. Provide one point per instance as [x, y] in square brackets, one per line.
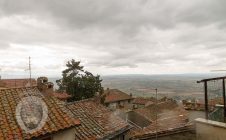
[115, 105]
[210, 130]
[68, 134]
[149, 103]
[112, 106]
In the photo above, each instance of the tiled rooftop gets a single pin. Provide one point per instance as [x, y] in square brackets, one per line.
[59, 117]
[170, 116]
[141, 100]
[96, 120]
[13, 83]
[114, 95]
[149, 111]
[61, 96]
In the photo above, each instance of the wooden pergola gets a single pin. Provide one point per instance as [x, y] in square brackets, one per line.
[205, 81]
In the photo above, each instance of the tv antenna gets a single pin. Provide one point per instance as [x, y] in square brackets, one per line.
[29, 69]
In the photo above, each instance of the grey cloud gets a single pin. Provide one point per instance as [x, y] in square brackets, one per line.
[204, 13]
[121, 14]
[80, 13]
[4, 45]
[126, 32]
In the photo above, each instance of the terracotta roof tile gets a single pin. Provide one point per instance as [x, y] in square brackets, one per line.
[61, 96]
[114, 95]
[142, 101]
[15, 83]
[170, 116]
[96, 120]
[59, 117]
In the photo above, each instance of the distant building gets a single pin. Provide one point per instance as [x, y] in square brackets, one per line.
[141, 102]
[200, 104]
[114, 98]
[97, 122]
[15, 83]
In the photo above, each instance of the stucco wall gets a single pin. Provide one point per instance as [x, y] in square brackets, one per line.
[210, 130]
[115, 105]
[65, 135]
[112, 106]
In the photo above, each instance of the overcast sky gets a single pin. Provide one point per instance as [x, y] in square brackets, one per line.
[113, 36]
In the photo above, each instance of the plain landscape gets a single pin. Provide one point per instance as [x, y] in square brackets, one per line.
[177, 86]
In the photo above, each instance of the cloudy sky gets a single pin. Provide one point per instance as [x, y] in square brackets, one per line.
[113, 36]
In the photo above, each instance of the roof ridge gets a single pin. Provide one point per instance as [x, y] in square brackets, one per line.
[22, 87]
[83, 100]
[19, 79]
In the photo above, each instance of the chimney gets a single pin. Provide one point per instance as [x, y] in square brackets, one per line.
[44, 86]
[108, 91]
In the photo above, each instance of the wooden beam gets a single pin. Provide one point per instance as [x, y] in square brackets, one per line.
[211, 79]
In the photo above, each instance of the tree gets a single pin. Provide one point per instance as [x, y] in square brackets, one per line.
[77, 82]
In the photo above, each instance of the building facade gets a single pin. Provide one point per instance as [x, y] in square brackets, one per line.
[115, 98]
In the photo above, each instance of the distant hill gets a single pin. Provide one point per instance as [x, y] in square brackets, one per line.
[178, 86]
[174, 85]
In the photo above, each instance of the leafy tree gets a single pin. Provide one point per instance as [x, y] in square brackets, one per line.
[77, 82]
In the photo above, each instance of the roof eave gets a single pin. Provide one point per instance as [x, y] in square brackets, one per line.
[117, 100]
[118, 132]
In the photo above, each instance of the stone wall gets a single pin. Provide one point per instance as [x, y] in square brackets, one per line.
[210, 130]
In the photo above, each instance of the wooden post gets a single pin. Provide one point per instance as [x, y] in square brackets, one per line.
[206, 99]
[156, 110]
[223, 82]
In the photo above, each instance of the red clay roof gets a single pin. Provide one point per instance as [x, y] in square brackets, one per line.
[114, 95]
[141, 101]
[61, 96]
[170, 117]
[96, 120]
[14, 83]
[59, 117]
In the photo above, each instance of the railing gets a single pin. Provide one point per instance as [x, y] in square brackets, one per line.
[217, 115]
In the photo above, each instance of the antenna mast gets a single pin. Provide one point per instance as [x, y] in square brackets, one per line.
[30, 69]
